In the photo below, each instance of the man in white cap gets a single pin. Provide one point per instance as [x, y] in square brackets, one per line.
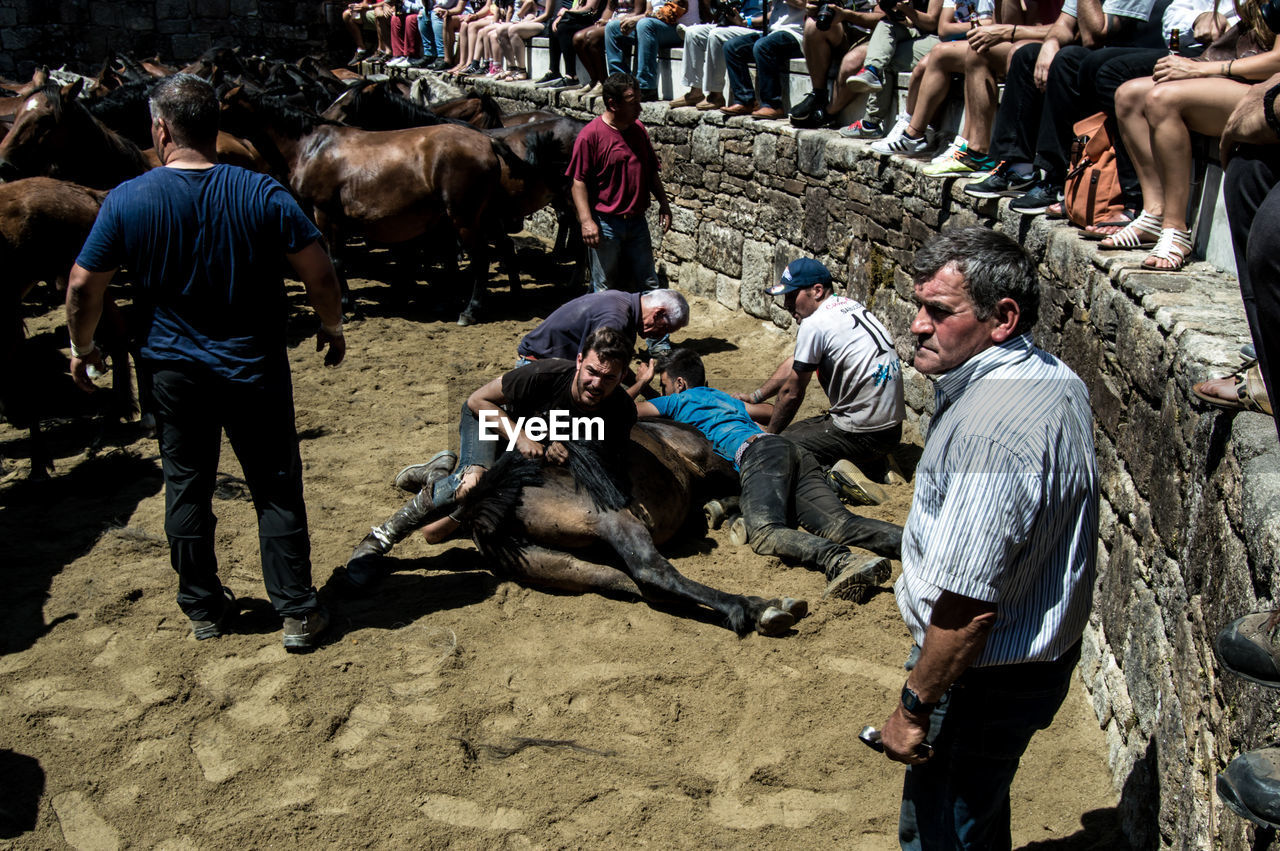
[859, 370]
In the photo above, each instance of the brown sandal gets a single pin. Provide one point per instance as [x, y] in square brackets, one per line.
[1250, 392]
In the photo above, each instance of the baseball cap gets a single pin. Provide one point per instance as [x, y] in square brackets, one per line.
[799, 274]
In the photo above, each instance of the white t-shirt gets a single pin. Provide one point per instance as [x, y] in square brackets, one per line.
[856, 363]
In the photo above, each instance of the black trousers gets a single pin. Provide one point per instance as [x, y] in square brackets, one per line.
[1252, 196]
[782, 487]
[193, 407]
[1013, 136]
[828, 443]
[560, 42]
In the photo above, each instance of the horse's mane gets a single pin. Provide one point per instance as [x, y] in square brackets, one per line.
[117, 107]
[292, 120]
[118, 147]
[382, 109]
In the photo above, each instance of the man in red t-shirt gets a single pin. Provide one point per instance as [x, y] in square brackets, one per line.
[614, 168]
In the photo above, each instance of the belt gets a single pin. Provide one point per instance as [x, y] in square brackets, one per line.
[742, 447]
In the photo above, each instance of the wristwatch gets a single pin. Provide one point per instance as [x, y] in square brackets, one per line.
[913, 704]
[1269, 109]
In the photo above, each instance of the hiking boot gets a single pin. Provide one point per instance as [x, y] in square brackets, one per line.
[302, 633]
[221, 625]
[1036, 200]
[1249, 647]
[863, 129]
[415, 477]
[853, 487]
[1250, 786]
[856, 578]
[1000, 182]
[866, 80]
[813, 103]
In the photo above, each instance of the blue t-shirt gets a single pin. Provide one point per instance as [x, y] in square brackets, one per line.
[722, 419]
[206, 249]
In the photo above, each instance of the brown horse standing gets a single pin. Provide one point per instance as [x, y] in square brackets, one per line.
[394, 186]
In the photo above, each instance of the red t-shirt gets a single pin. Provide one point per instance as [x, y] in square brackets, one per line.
[615, 165]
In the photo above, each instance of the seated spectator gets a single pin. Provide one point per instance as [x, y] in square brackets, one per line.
[469, 26]
[704, 51]
[771, 54]
[839, 32]
[488, 49]
[588, 44]
[898, 42]
[567, 23]
[376, 13]
[529, 21]
[448, 17]
[648, 34]
[405, 43]
[1052, 85]
[937, 67]
[432, 41]
[1157, 115]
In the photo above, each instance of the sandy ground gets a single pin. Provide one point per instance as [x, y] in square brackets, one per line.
[411, 728]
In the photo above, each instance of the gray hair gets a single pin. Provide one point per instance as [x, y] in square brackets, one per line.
[672, 303]
[993, 266]
[189, 106]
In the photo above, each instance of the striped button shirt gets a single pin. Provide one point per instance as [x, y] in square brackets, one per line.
[1006, 503]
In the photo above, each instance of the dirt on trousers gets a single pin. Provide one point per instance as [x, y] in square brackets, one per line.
[449, 709]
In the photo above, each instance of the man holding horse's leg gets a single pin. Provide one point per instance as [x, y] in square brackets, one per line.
[496, 418]
[782, 485]
[201, 239]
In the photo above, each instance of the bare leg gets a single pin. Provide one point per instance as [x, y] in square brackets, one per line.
[589, 45]
[1136, 132]
[980, 93]
[935, 81]
[818, 47]
[849, 65]
[352, 23]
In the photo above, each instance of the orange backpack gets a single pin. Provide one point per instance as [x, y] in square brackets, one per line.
[1092, 193]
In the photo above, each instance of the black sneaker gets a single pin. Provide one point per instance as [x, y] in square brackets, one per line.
[1036, 200]
[302, 633]
[1000, 182]
[809, 108]
[548, 79]
[439, 65]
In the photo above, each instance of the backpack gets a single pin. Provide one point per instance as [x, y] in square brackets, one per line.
[1092, 192]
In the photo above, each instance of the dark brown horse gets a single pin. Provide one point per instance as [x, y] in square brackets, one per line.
[394, 186]
[545, 526]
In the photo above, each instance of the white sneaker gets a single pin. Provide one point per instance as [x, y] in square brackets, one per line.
[900, 125]
[398, 62]
[902, 145]
[956, 144]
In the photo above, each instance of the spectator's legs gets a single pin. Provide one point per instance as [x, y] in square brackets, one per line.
[1130, 104]
[1019, 113]
[713, 76]
[1068, 97]
[980, 91]
[1108, 78]
[427, 31]
[564, 36]
[849, 65]
[908, 55]
[1253, 210]
[652, 34]
[737, 56]
[944, 60]
[382, 26]
[351, 20]
[819, 46]
[589, 45]
[772, 54]
[398, 32]
[696, 39]
[880, 50]
[617, 46]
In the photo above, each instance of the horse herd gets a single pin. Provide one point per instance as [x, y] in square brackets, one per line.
[422, 171]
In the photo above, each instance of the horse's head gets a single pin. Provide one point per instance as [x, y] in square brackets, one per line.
[44, 127]
[343, 108]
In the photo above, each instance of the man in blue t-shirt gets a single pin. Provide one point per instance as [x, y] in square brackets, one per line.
[203, 242]
[782, 485]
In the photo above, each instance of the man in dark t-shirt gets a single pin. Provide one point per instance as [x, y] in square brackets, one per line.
[613, 169]
[534, 410]
[202, 241]
[653, 314]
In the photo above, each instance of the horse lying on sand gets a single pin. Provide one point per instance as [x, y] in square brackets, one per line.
[541, 525]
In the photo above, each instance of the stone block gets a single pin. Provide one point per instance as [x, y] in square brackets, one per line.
[20, 38]
[705, 143]
[757, 273]
[680, 245]
[815, 221]
[728, 291]
[764, 150]
[8, 17]
[182, 9]
[720, 248]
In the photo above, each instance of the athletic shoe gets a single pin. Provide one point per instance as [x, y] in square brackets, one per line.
[853, 487]
[902, 145]
[863, 129]
[360, 56]
[813, 103]
[866, 80]
[964, 163]
[1036, 200]
[440, 65]
[301, 633]
[1000, 182]
[950, 151]
[221, 625]
[548, 79]
[855, 578]
[565, 83]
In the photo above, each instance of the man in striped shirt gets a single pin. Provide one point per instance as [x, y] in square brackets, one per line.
[999, 550]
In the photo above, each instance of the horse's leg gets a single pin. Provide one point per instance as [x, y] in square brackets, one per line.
[41, 457]
[478, 247]
[408, 263]
[507, 248]
[654, 574]
[338, 255]
[560, 570]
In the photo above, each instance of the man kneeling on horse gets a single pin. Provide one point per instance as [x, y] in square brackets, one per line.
[498, 417]
[782, 485]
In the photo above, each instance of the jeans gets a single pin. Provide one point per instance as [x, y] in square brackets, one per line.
[193, 408]
[782, 486]
[431, 29]
[623, 260]
[1253, 210]
[771, 53]
[471, 451]
[704, 55]
[828, 443]
[979, 731]
[649, 35]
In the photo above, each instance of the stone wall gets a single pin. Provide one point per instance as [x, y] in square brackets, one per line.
[82, 33]
[1191, 499]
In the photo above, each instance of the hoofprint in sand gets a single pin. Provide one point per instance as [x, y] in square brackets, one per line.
[450, 709]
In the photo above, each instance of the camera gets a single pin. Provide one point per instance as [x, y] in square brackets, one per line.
[826, 15]
[887, 6]
[725, 12]
[1270, 10]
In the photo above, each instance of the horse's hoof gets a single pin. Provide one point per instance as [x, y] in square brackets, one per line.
[774, 621]
[798, 609]
[465, 319]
